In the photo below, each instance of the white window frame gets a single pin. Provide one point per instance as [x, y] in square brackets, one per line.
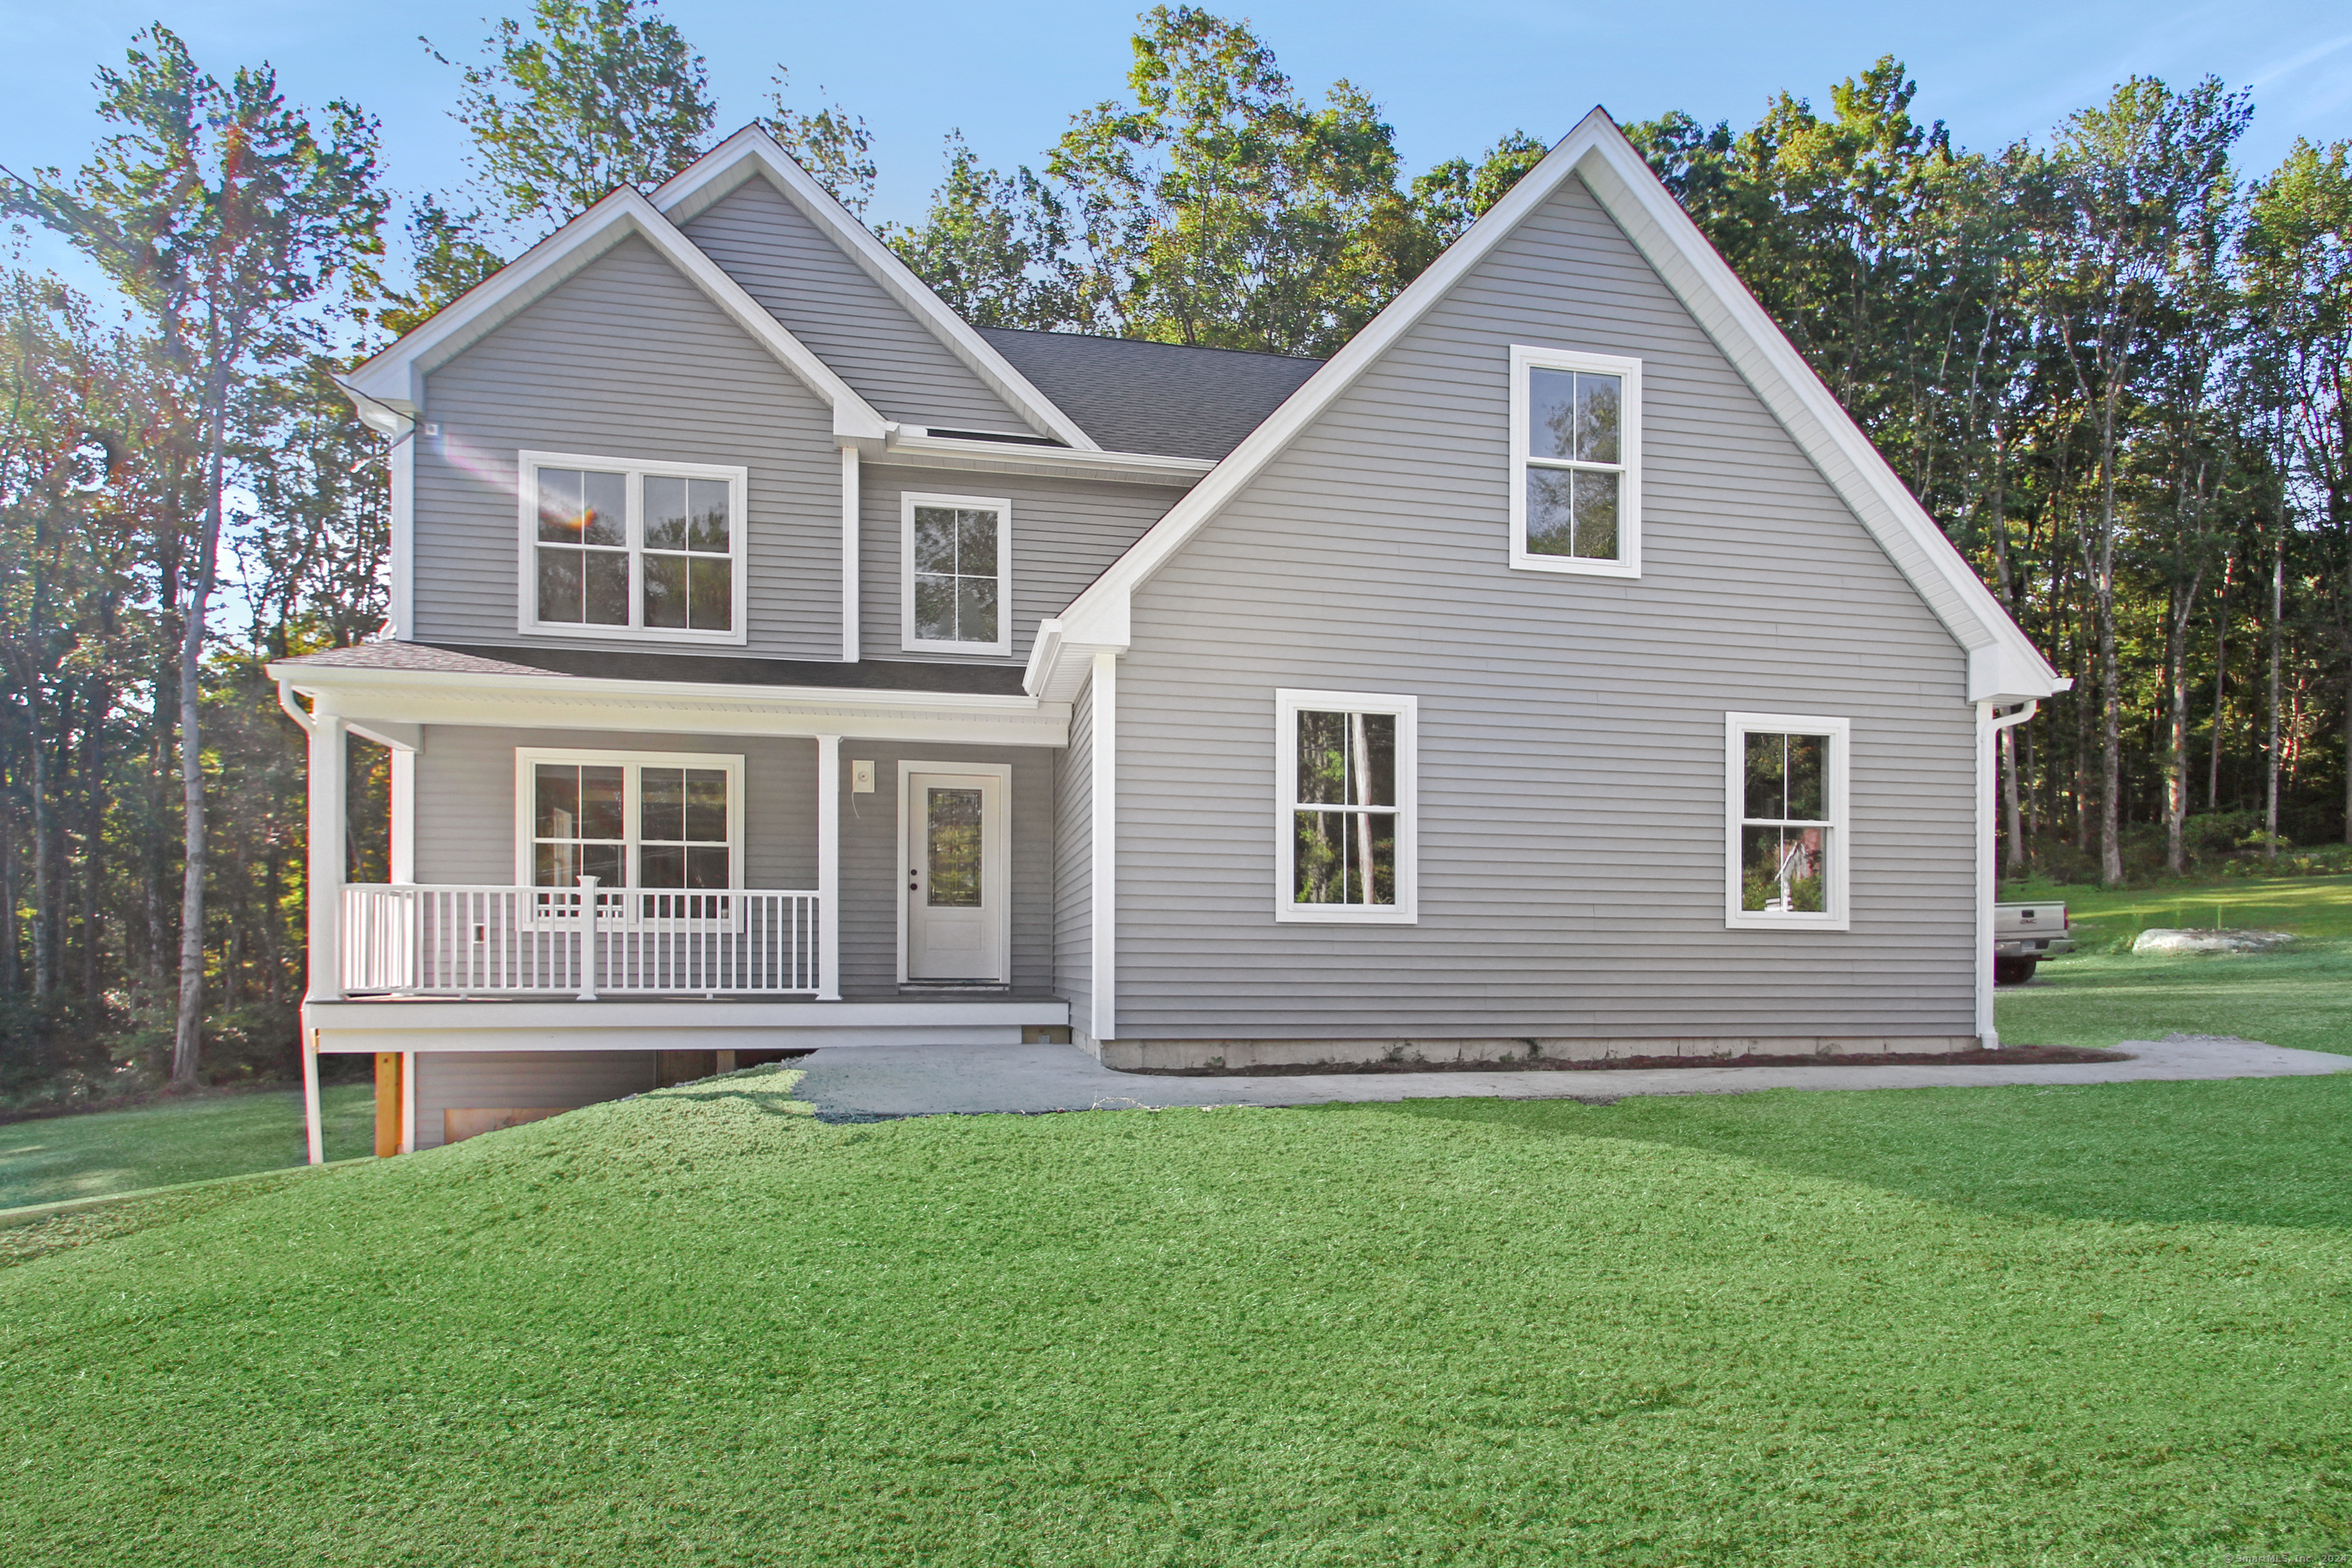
[1526, 358]
[635, 472]
[633, 765]
[1287, 706]
[908, 641]
[1737, 728]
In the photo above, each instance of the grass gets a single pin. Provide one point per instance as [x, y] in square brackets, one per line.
[2004, 1325]
[175, 1141]
[2107, 993]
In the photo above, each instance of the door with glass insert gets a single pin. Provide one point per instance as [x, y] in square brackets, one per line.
[957, 900]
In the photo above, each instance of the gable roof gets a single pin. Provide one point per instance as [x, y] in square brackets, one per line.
[2003, 666]
[750, 153]
[1170, 398]
[388, 389]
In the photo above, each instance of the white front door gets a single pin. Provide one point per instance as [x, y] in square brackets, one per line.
[955, 891]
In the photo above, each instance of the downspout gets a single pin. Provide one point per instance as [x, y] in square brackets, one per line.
[1989, 730]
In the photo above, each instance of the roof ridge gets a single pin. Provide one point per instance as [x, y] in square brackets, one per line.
[1154, 342]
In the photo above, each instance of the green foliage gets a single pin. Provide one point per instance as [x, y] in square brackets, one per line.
[833, 144]
[592, 95]
[449, 253]
[1980, 1326]
[991, 245]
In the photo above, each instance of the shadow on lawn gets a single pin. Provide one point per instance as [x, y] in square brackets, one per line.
[2260, 1152]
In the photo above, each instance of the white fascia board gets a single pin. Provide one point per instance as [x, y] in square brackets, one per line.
[1631, 193]
[752, 150]
[913, 448]
[1059, 665]
[391, 378]
[377, 697]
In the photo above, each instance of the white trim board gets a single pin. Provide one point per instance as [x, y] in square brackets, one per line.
[2003, 666]
[751, 151]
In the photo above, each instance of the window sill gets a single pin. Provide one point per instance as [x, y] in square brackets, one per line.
[1745, 921]
[1334, 914]
[636, 634]
[1570, 566]
[968, 649]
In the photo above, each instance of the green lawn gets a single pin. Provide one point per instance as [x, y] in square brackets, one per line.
[2088, 1325]
[175, 1141]
[2106, 993]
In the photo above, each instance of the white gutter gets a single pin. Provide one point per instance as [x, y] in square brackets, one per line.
[1988, 879]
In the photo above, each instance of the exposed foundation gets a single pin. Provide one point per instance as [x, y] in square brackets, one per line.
[1161, 1056]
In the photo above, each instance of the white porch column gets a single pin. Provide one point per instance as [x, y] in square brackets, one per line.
[828, 867]
[1103, 882]
[314, 1129]
[324, 889]
[404, 814]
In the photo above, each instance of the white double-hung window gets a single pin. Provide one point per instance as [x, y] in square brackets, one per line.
[1785, 828]
[1576, 462]
[1344, 807]
[956, 583]
[617, 548]
[638, 822]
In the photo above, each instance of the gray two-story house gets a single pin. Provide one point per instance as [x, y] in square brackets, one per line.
[778, 660]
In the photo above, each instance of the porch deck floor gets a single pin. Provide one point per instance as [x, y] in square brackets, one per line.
[877, 1082]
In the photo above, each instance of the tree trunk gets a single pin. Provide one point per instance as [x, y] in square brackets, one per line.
[93, 853]
[2220, 675]
[2012, 815]
[187, 1031]
[2176, 751]
[2111, 749]
[2271, 747]
[45, 955]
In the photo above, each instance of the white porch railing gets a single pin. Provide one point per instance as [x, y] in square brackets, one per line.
[441, 941]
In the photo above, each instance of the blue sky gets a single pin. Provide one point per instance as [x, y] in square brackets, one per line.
[1451, 78]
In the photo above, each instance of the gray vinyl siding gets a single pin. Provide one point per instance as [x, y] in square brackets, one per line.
[466, 799]
[520, 1080]
[1074, 904]
[871, 885]
[847, 319]
[1571, 747]
[625, 359]
[1065, 533]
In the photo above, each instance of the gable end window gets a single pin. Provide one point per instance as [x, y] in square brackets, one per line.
[1785, 821]
[1576, 462]
[1345, 818]
[613, 548]
[956, 574]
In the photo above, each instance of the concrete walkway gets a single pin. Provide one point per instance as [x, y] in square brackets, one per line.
[863, 1083]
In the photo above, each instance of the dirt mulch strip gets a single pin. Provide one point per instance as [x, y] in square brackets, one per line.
[2014, 1056]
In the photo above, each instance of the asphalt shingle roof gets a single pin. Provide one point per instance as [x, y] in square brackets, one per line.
[1164, 398]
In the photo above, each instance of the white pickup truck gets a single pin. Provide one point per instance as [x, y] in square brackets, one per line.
[2022, 936]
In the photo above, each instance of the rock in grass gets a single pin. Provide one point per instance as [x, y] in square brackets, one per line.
[2171, 943]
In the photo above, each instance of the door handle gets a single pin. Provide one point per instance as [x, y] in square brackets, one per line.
[914, 881]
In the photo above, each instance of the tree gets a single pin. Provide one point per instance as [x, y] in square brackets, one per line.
[2297, 261]
[222, 213]
[991, 245]
[833, 144]
[596, 94]
[2135, 179]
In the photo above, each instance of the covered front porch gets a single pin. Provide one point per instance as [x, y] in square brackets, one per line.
[586, 870]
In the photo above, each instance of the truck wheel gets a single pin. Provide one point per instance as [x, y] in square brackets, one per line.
[2012, 971]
